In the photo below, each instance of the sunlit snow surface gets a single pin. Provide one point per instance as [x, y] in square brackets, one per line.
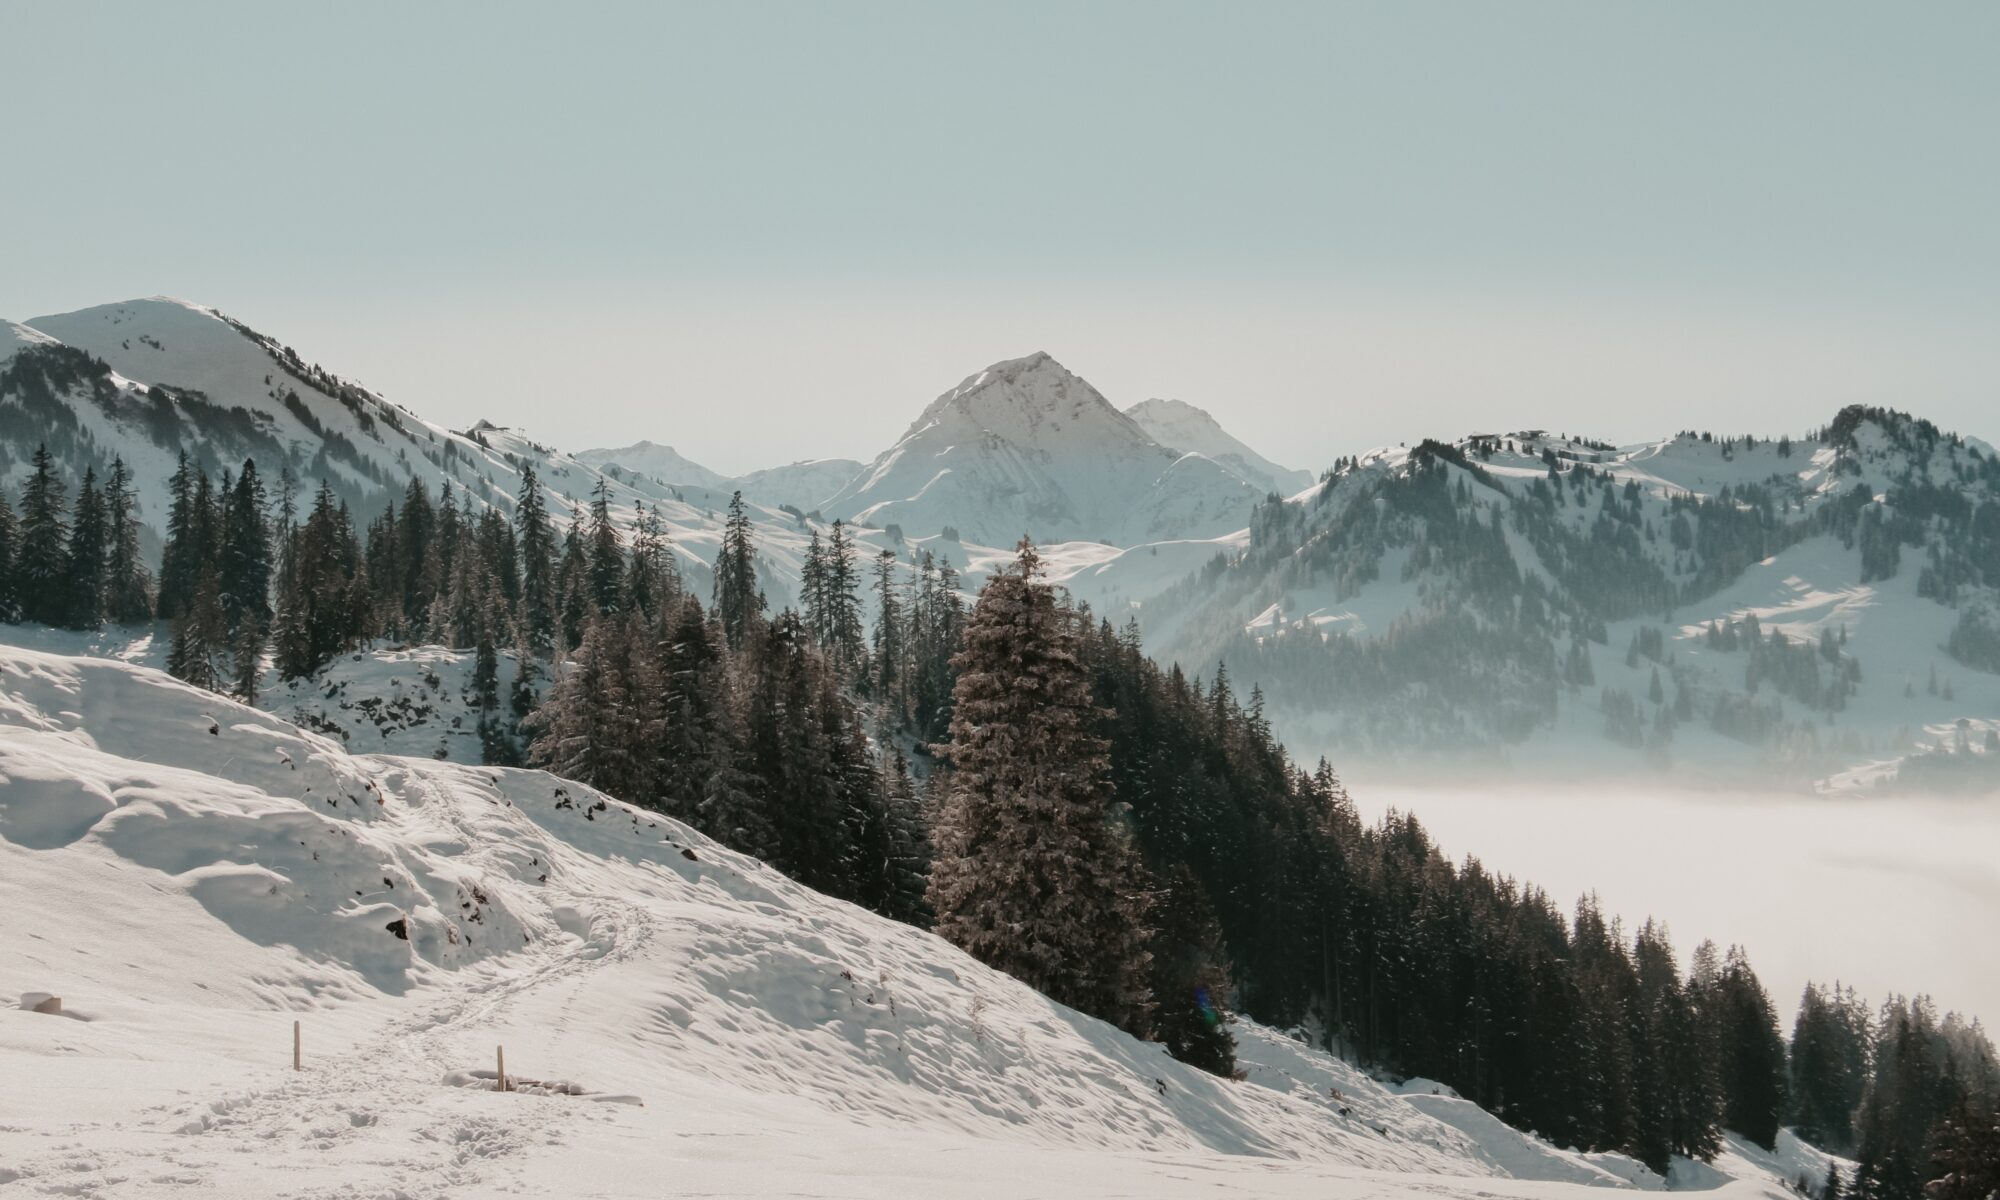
[192, 876]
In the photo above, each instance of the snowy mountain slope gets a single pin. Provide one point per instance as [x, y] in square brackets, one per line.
[1026, 446]
[805, 485]
[752, 1037]
[147, 379]
[1185, 427]
[1799, 608]
[802, 485]
[663, 464]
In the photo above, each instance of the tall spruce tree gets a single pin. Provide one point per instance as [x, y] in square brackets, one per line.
[537, 547]
[10, 541]
[588, 727]
[845, 643]
[41, 564]
[128, 586]
[1190, 976]
[739, 605]
[180, 561]
[1752, 1052]
[1032, 873]
[1829, 1065]
[243, 569]
[605, 552]
[201, 636]
[88, 555]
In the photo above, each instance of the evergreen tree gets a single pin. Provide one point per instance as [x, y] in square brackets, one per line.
[1965, 1153]
[324, 606]
[1752, 1052]
[1829, 1066]
[606, 553]
[41, 563]
[537, 551]
[244, 566]
[888, 667]
[201, 637]
[573, 591]
[738, 603]
[247, 660]
[587, 729]
[844, 644]
[180, 561]
[652, 582]
[128, 587]
[1190, 977]
[695, 774]
[1031, 873]
[908, 866]
[10, 540]
[88, 555]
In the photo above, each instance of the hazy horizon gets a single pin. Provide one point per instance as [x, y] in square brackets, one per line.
[772, 233]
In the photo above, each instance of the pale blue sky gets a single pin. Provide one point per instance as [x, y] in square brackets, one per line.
[763, 232]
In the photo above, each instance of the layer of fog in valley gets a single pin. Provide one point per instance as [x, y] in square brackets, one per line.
[1885, 894]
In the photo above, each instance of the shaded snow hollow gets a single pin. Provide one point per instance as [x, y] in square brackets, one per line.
[191, 876]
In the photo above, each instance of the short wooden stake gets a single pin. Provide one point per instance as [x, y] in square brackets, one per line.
[501, 1051]
[295, 1046]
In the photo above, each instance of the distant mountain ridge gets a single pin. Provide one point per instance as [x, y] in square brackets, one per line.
[1025, 446]
[1181, 425]
[1823, 608]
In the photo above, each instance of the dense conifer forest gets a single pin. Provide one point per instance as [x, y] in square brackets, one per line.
[1019, 776]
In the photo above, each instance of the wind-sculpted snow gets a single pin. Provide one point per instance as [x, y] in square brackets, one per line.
[192, 876]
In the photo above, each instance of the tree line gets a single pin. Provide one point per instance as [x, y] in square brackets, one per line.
[1022, 778]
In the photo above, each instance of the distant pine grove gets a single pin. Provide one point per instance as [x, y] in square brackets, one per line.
[1021, 778]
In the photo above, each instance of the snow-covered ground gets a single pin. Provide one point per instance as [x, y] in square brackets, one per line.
[192, 877]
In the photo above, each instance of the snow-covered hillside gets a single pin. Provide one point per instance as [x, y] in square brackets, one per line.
[1181, 425]
[674, 1015]
[1027, 447]
[663, 464]
[802, 485]
[1811, 609]
[145, 380]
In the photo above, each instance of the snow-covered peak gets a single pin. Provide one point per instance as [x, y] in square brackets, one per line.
[1032, 400]
[1027, 446]
[654, 460]
[16, 337]
[1186, 427]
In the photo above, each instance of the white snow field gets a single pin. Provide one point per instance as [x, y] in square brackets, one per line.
[191, 877]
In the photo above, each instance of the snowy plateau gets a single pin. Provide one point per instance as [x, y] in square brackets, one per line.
[192, 877]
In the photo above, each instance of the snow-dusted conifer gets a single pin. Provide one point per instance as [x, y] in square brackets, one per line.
[128, 586]
[738, 603]
[1032, 874]
[41, 564]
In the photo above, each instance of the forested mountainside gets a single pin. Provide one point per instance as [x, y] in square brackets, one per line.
[1819, 609]
[669, 1009]
[1165, 862]
[148, 381]
[1815, 606]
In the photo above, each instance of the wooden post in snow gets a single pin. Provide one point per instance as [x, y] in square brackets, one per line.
[501, 1052]
[295, 1047]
